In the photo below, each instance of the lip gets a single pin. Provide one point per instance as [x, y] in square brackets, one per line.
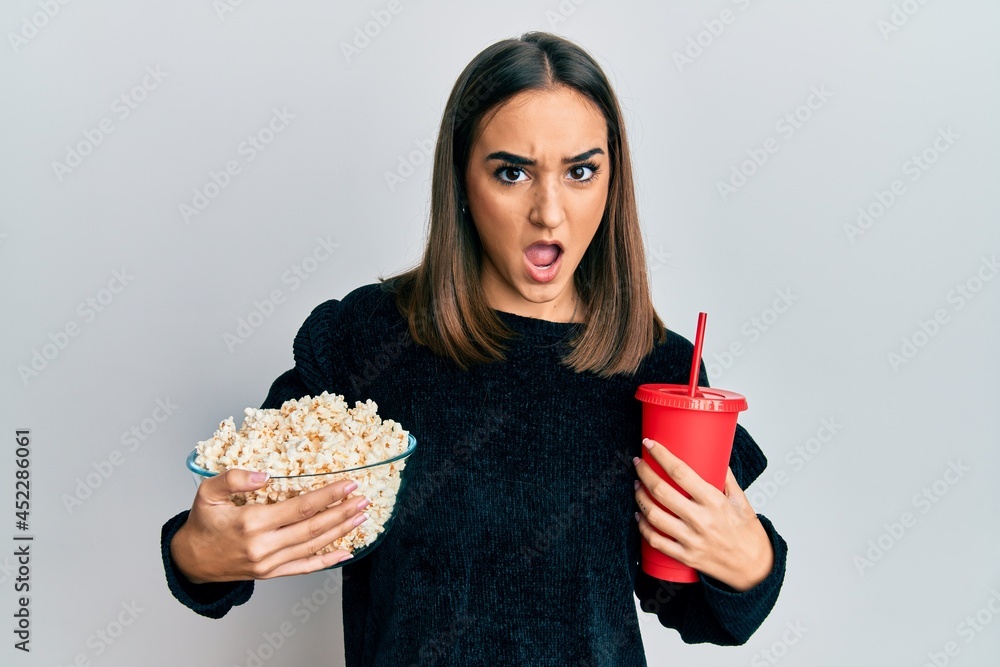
[549, 273]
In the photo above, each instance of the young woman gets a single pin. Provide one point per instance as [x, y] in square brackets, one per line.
[513, 353]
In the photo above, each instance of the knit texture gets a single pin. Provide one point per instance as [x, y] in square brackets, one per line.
[515, 542]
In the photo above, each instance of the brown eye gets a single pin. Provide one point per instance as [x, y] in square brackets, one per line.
[508, 174]
[583, 172]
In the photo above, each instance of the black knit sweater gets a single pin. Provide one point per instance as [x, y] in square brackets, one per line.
[515, 542]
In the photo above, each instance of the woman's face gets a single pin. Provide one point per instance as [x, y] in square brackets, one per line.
[537, 183]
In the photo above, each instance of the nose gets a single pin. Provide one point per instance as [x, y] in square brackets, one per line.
[547, 207]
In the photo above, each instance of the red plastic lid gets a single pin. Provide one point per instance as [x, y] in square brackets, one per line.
[705, 398]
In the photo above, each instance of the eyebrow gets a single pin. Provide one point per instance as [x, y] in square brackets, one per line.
[518, 159]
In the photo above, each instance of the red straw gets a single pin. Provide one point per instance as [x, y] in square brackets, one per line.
[699, 340]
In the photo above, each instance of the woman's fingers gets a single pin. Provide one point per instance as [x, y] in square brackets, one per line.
[662, 543]
[682, 474]
[303, 528]
[216, 490]
[659, 489]
[665, 522]
[307, 564]
[704, 498]
[306, 505]
[265, 541]
[309, 536]
[302, 554]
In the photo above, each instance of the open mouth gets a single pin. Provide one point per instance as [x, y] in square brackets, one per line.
[542, 261]
[543, 255]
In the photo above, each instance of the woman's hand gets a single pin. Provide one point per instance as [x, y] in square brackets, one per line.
[715, 532]
[221, 541]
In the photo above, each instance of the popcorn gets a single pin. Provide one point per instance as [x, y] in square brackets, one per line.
[314, 436]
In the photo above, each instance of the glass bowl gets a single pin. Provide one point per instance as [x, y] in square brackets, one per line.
[383, 483]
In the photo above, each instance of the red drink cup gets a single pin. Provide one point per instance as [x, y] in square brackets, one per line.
[699, 430]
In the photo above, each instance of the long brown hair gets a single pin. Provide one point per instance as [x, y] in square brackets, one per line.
[442, 297]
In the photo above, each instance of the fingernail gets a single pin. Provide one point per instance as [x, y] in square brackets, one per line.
[347, 557]
[360, 519]
[648, 443]
[636, 485]
[258, 477]
[350, 487]
[636, 515]
[363, 504]
[635, 461]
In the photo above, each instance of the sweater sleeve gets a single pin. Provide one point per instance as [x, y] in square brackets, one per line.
[711, 611]
[312, 365]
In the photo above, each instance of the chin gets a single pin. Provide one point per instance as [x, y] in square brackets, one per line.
[540, 293]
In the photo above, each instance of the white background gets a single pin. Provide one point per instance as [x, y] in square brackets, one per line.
[890, 87]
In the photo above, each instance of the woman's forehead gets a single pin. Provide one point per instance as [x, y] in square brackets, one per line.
[544, 125]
